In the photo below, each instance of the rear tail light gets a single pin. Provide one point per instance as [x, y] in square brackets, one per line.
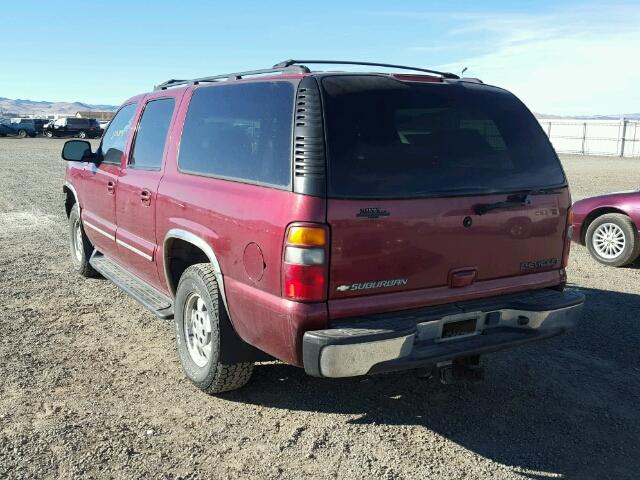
[305, 263]
[306, 236]
[567, 239]
[304, 256]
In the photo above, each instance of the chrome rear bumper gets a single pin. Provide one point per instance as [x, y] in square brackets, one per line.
[412, 339]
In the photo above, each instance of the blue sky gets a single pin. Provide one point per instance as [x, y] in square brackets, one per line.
[558, 57]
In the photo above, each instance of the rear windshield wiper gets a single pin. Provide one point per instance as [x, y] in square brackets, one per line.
[513, 201]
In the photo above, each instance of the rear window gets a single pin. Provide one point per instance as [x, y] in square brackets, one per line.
[392, 139]
[240, 132]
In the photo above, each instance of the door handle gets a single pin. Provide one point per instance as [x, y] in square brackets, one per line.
[145, 197]
[111, 187]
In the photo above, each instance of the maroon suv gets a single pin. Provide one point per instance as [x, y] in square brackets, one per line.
[348, 223]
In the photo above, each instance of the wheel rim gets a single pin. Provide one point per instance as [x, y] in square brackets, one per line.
[77, 241]
[609, 241]
[197, 329]
[49, 134]
[82, 135]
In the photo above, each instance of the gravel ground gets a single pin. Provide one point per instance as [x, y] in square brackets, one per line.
[91, 387]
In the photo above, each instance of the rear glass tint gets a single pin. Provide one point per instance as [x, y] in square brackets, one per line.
[240, 132]
[387, 138]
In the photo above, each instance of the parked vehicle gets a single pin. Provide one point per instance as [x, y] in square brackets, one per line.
[73, 127]
[347, 223]
[4, 128]
[608, 226]
[103, 124]
[34, 126]
[5, 131]
[21, 127]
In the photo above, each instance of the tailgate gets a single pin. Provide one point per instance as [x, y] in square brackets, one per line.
[395, 245]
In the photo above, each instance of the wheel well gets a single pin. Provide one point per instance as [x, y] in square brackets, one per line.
[598, 212]
[180, 255]
[69, 200]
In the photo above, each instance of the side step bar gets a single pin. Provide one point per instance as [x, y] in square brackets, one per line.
[150, 298]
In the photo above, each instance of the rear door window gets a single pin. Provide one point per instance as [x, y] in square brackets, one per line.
[152, 134]
[240, 132]
[393, 139]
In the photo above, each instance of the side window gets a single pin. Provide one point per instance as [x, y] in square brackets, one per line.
[115, 138]
[242, 132]
[152, 134]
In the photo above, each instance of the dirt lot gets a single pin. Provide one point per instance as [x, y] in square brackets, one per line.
[90, 384]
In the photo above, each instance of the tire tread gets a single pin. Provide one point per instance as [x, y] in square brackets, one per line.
[225, 377]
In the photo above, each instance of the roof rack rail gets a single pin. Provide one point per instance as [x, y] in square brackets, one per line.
[232, 76]
[291, 62]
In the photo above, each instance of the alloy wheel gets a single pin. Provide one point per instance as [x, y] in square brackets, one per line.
[78, 245]
[197, 329]
[609, 241]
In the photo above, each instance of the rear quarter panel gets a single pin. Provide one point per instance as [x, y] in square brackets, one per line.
[231, 216]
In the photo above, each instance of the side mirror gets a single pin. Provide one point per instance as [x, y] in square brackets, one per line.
[78, 151]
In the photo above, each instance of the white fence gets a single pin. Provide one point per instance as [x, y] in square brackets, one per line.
[594, 137]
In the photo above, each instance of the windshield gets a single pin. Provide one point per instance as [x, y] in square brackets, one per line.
[393, 139]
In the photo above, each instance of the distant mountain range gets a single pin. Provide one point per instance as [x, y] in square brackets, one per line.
[618, 116]
[30, 107]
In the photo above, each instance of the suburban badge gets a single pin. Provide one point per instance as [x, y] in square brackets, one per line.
[396, 282]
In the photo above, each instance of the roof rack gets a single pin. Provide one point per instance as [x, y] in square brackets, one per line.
[291, 62]
[232, 76]
[290, 66]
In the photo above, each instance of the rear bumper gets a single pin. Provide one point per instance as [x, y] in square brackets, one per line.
[412, 339]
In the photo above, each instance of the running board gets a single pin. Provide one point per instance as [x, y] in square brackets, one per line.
[150, 298]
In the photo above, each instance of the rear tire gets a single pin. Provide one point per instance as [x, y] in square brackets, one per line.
[198, 313]
[612, 239]
[82, 134]
[22, 133]
[80, 245]
[48, 134]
